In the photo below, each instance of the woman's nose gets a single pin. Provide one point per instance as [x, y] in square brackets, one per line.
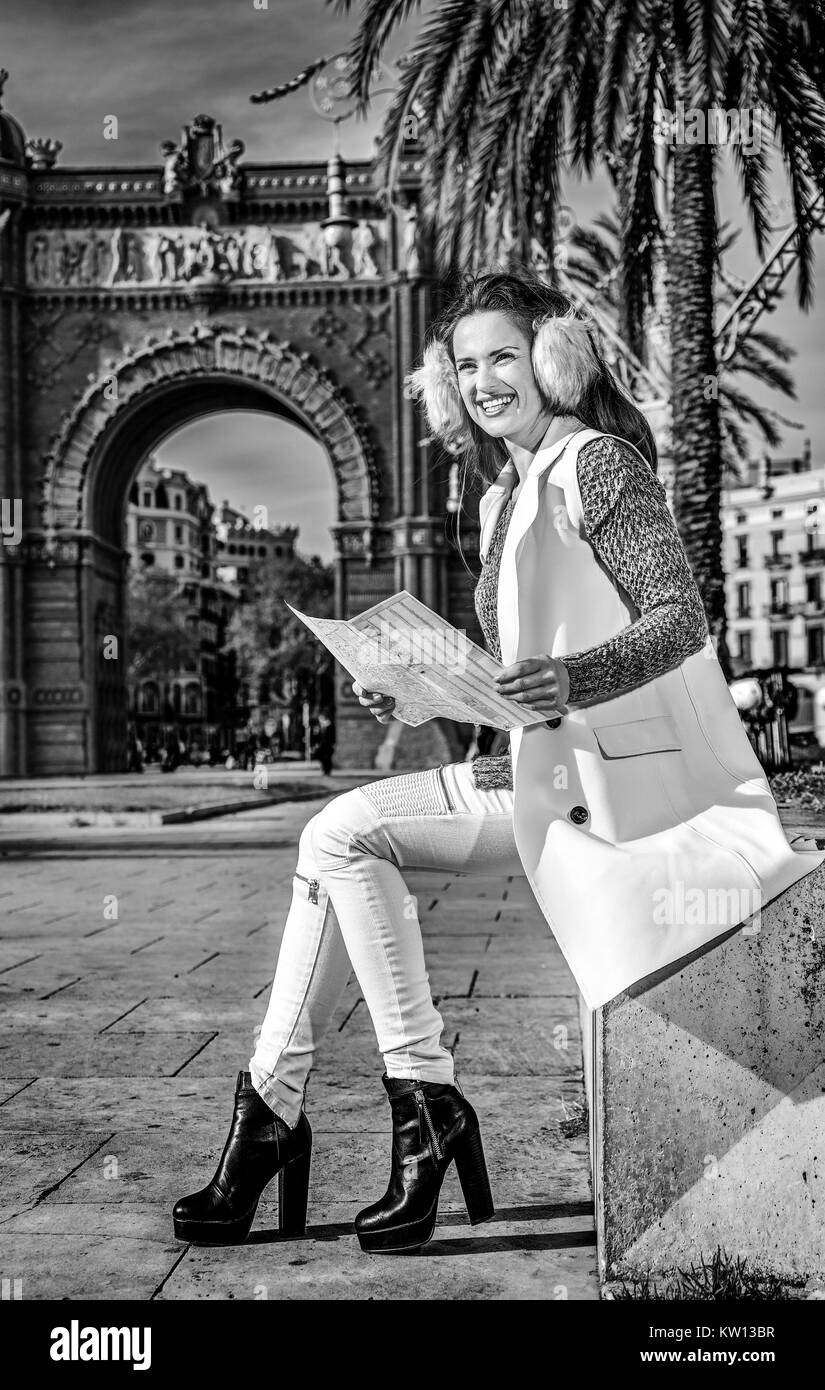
[486, 382]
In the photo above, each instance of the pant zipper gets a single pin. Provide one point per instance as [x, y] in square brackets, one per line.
[314, 885]
[421, 1102]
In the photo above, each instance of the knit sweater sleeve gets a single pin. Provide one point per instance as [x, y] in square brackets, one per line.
[630, 527]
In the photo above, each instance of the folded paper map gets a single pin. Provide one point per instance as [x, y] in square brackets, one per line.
[400, 647]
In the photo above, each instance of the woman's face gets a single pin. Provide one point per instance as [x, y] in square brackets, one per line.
[495, 377]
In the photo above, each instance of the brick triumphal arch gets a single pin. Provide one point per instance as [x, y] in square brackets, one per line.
[136, 300]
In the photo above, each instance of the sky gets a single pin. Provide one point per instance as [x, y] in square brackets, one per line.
[157, 63]
[252, 459]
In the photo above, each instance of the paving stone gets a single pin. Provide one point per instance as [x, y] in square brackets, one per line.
[111, 1069]
[33, 1163]
[59, 1053]
[86, 1266]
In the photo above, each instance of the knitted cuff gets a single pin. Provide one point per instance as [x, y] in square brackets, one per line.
[491, 772]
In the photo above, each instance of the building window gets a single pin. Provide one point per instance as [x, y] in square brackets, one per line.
[776, 538]
[810, 541]
[743, 600]
[744, 647]
[262, 551]
[150, 698]
[178, 503]
[779, 639]
[279, 550]
[147, 559]
[192, 700]
[779, 595]
[179, 562]
[147, 499]
[178, 533]
[813, 588]
[232, 549]
[742, 552]
[162, 497]
[741, 518]
[776, 513]
[815, 646]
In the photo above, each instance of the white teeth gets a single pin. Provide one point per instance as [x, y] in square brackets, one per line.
[495, 407]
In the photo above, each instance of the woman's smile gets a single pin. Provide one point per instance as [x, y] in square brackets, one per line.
[496, 405]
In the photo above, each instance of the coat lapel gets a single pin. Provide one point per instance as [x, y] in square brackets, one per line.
[524, 514]
[491, 504]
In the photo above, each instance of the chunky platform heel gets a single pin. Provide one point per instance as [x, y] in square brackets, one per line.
[260, 1144]
[293, 1195]
[432, 1125]
[475, 1183]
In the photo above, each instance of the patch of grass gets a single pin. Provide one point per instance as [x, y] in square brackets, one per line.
[575, 1120]
[723, 1277]
[804, 788]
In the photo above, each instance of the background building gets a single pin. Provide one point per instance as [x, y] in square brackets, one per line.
[242, 546]
[774, 558]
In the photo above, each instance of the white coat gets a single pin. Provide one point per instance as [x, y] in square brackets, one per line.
[645, 823]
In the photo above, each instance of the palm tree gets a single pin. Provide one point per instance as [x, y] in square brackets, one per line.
[510, 93]
[592, 266]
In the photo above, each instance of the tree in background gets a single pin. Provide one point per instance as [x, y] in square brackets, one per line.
[162, 639]
[509, 95]
[275, 652]
[592, 265]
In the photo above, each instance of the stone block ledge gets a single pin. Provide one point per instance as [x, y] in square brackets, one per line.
[706, 1090]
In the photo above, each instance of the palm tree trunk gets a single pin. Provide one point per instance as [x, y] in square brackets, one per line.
[697, 449]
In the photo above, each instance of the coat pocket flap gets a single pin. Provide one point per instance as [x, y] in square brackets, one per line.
[655, 735]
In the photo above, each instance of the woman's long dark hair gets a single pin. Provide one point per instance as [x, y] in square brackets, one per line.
[603, 404]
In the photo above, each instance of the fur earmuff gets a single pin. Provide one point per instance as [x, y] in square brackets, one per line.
[435, 384]
[564, 359]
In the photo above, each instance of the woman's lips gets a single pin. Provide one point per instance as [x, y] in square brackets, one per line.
[492, 406]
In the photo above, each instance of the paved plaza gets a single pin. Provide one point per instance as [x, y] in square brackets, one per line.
[121, 1038]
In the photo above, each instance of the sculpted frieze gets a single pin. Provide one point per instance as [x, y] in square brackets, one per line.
[149, 257]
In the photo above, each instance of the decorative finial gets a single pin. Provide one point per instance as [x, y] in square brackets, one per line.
[43, 152]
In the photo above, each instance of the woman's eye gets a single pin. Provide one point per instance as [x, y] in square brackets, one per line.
[465, 366]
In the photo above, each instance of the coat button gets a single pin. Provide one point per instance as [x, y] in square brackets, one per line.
[578, 815]
[553, 723]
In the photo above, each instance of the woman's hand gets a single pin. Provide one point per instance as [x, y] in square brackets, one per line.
[380, 705]
[541, 682]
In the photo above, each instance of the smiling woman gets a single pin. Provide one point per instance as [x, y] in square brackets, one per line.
[640, 782]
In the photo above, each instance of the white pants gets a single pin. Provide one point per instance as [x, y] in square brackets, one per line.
[352, 910]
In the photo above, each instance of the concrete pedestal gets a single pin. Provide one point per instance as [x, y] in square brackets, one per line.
[706, 1086]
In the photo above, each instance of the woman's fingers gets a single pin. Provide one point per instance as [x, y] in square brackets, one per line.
[378, 704]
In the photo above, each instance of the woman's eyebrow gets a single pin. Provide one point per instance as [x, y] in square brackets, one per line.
[505, 347]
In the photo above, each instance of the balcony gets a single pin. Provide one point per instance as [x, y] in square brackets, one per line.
[777, 610]
[808, 608]
[812, 557]
[778, 562]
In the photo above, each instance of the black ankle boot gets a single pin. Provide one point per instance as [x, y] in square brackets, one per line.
[260, 1144]
[432, 1124]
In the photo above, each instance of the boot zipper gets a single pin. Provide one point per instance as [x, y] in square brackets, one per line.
[423, 1109]
[314, 885]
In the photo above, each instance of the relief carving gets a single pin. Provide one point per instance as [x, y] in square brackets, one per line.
[149, 257]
